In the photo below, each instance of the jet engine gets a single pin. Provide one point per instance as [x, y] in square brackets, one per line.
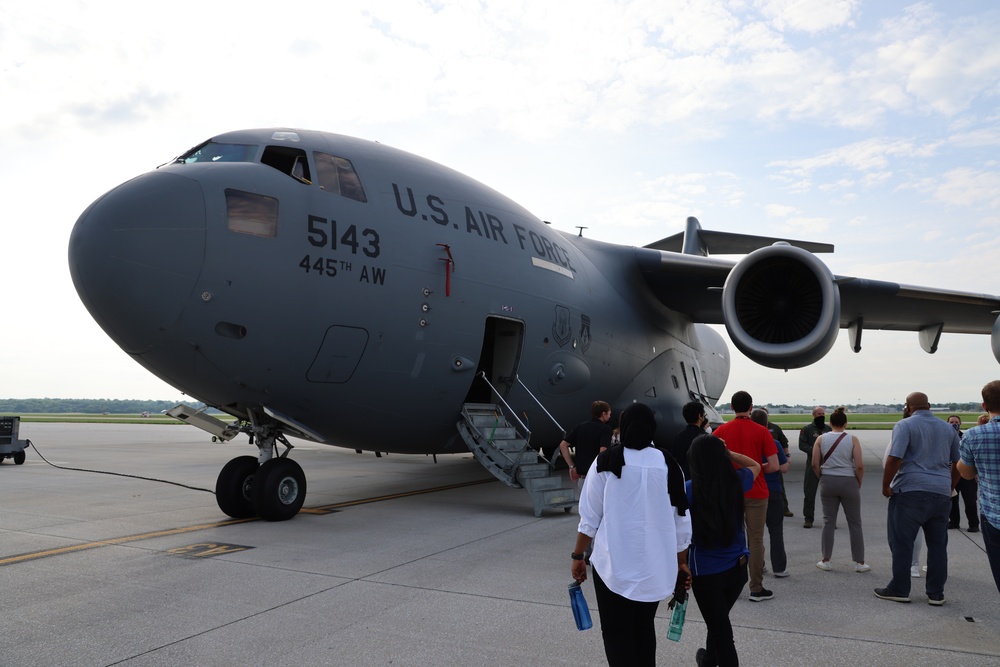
[995, 339]
[781, 307]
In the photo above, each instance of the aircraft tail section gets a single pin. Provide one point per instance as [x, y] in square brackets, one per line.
[697, 241]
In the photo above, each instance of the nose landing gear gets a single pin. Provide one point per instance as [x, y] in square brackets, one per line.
[234, 488]
[279, 489]
[272, 488]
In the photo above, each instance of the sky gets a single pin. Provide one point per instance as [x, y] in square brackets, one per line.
[874, 126]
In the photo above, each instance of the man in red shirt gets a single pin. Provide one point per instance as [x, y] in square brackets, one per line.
[753, 440]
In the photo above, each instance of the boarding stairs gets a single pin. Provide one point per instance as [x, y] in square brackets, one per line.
[508, 456]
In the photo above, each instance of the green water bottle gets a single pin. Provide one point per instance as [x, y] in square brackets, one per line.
[677, 619]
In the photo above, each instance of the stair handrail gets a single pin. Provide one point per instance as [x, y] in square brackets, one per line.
[557, 453]
[547, 413]
[527, 431]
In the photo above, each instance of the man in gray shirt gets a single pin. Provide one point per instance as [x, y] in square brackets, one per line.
[922, 460]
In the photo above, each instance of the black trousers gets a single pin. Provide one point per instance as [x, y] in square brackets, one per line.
[716, 594]
[967, 490]
[627, 627]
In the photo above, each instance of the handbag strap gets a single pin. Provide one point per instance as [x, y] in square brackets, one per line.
[837, 442]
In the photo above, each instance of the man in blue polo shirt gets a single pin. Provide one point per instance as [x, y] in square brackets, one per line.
[980, 452]
[921, 459]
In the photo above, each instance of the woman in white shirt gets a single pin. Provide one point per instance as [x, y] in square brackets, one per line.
[634, 509]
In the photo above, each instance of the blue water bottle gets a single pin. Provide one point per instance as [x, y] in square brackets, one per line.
[677, 619]
[581, 613]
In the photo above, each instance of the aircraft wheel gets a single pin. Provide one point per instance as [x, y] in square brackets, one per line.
[279, 489]
[19, 457]
[234, 488]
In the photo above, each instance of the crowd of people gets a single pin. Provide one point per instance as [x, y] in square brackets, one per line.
[692, 515]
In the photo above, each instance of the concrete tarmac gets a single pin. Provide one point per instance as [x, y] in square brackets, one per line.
[396, 561]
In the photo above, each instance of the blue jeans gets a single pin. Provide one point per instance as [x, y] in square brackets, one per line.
[909, 513]
[991, 538]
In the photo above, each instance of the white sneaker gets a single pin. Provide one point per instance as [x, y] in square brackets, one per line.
[862, 567]
[782, 574]
[824, 565]
[915, 572]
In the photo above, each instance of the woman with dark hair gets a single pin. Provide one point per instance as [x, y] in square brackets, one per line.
[837, 461]
[634, 509]
[718, 553]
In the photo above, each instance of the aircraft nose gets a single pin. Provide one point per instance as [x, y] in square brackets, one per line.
[135, 256]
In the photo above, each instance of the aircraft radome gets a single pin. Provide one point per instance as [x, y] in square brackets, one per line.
[345, 292]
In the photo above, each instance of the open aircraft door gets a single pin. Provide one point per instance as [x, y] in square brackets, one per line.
[503, 340]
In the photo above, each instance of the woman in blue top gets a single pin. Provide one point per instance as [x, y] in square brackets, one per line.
[718, 553]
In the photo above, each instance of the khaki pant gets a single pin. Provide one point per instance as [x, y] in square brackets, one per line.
[755, 511]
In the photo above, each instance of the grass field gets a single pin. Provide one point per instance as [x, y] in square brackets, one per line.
[861, 421]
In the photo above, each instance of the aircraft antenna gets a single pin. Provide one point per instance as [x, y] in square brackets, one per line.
[581, 230]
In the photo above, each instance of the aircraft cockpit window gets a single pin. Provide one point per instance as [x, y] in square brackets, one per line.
[337, 175]
[249, 213]
[292, 161]
[211, 151]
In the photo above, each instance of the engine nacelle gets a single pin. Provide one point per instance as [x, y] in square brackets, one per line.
[995, 339]
[781, 307]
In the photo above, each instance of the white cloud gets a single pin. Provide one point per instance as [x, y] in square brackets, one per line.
[810, 226]
[780, 211]
[968, 187]
[809, 15]
[857, 166]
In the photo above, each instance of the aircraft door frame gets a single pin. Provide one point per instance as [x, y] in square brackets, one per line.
[499, 358]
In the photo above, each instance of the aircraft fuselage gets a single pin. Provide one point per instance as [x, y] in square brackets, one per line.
[359, 290]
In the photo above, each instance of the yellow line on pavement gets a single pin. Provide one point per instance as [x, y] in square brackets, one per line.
[117, 540]
[320, 510]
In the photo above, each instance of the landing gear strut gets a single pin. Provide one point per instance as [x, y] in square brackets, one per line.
[270, 487]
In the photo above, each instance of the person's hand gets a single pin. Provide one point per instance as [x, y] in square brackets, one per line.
[573, 474]
[685, 572]
[579, 571]
[886, 491]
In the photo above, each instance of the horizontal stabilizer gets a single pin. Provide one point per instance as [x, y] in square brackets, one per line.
[697, 241]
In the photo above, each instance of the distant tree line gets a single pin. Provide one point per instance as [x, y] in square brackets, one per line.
[86, 405]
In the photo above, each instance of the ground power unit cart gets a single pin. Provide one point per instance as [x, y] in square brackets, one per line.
[10, 446]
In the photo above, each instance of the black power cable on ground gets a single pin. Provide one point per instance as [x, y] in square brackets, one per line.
[117, 474]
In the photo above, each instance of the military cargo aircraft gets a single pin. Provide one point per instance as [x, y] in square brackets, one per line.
[341, 291]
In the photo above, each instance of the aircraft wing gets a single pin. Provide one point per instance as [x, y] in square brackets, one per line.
[783, 308]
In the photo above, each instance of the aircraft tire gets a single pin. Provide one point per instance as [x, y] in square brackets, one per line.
[19, 457]
[234, 488]
[279, 489]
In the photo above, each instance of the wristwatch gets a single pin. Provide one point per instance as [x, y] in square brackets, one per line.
[576, 556]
